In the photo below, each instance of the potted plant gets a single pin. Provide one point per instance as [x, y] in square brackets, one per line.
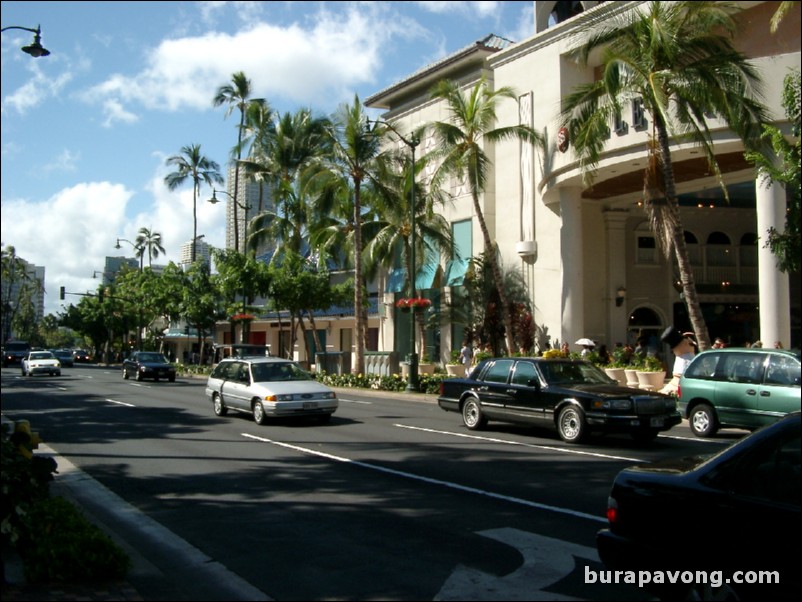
[425, 366]
[454, 367]
[617, 367]
[652, 374]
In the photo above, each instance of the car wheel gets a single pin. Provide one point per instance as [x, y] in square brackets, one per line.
[703, 420]
[138, 376]
[126, 376]
[171, 379]
[571, 424]
[259, 412]
[220, 408]
[472, 415]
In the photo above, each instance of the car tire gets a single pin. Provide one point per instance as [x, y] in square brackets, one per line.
[171, 379]
[126, 376]
[259, 413]
[703, 420]
[571, 424]
[138, 376]
[472, 415]
[220, 408]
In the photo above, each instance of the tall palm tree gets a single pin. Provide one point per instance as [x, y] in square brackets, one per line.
[191, 164]
[150, 241]
[237, 94]
[341, 173]
[678, 58]
[460, 144]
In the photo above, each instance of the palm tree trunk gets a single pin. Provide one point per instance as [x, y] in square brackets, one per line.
[359, 365]
[194, 219]
[498, 279]
[678, 239]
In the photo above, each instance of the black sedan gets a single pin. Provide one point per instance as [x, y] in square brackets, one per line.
[712, 528]
[574, 396]
[148, 364]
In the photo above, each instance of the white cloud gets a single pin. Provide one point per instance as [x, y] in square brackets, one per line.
[65, 161]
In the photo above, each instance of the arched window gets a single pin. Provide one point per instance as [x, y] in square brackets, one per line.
[645, 323]
[719, 250]
[694, 251]
[748, 250]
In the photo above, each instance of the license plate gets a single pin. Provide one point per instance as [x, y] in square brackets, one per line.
[310, 405]
[657, 422]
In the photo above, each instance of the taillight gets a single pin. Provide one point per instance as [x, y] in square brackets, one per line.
[612, 511]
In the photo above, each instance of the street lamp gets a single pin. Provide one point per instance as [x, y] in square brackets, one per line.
[137, 249]
[413, 384]
[244, 206]
[36, 49]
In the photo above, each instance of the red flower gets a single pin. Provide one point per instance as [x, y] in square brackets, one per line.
[419, 303]
[242, 317]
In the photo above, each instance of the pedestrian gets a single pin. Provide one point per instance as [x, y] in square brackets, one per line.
[565, 350]
[466, 356]
[718, 343]
[684, 351]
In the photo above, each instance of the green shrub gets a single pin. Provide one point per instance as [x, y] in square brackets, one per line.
[63, 547]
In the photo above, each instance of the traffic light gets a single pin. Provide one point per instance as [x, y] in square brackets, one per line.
[62, 293]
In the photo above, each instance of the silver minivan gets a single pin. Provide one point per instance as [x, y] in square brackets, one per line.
[268, 387]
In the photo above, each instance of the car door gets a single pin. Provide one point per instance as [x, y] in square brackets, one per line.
[492, 390]
[780, 392]
[523, 398]
[738, 384]
[234, 389]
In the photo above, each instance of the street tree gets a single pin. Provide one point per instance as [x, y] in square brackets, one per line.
[678, 58]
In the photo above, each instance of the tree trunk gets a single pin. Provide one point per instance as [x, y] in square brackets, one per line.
[678, 238]
[361, 339]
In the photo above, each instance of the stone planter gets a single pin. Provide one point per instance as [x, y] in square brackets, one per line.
[425, 368]
[632, 378]
[618, 374]
[651, 381]
[455, 369]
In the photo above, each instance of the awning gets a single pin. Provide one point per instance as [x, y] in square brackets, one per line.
[426, 277]
[396, 280]
[456, 270]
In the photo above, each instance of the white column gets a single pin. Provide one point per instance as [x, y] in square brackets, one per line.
[615, 222]
[573, 290]
[775, 303]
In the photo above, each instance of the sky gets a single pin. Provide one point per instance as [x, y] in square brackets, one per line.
[86, 130]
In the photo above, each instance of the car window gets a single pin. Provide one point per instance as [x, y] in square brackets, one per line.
[742, 368]
[568, 373]
[42, 355]
[524, 372]
[498, 372]
[704, 366]
[772, 472]
[782, 370]
[223, 370]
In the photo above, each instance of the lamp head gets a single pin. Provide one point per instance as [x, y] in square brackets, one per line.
[214, 200]
[36, 49]
[118, 246]
[620, 295]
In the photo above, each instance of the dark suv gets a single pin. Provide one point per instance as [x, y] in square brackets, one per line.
[739, 387]
[14, 352]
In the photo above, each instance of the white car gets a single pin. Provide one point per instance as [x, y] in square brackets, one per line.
[268, 387]
[41, 362]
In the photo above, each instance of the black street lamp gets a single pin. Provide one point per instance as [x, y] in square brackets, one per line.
[244, 206]
[36, 49]
[413, 384]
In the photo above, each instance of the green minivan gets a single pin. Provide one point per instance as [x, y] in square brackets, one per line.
[739, 387]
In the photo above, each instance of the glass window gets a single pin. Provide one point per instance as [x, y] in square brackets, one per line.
[524, 372]
[743, 368]
[782, 370]
[499, 371]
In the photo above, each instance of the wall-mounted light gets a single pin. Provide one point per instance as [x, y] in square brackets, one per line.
[620, 296]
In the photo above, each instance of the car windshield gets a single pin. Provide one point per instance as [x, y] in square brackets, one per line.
[573, 373]
[272, 372]
[152, 357]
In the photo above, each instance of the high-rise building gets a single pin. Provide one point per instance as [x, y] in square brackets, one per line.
[18, 291]
[202, 252]
[249, 205]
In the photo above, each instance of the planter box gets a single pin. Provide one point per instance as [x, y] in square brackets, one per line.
[425, 368]
[632, 378]
[618, 374]
[651, 381]
[455, 369]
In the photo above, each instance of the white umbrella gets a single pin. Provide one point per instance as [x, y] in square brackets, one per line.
[586, 342]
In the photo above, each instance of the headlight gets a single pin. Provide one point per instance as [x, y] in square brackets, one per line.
[612, 404]
[275, 398]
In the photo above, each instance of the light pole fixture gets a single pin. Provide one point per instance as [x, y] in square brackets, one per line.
[620, 296]
[35, 49]
[244, 206]
[413, 384]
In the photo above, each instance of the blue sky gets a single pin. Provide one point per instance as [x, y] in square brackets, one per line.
[86, 130]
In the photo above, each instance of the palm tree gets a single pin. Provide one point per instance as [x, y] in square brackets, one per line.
[192, 164]
[152, 241]
[460, 148]
[340, 174]
[236, 95]
[678, 58]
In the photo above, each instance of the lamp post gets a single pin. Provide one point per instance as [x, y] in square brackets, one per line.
[413, 384]
[35, 49]
[244, 206]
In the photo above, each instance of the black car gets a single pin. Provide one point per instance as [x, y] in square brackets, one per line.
[574, 396]
[731, 520]
[14, 352]
[148, 364]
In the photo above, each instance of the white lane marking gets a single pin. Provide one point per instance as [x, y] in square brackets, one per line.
[415, 477]
[366, 403]
[121, 403]
[696, 439]
[577, 452]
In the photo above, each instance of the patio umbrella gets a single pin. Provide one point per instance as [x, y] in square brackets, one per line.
[586, 342]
